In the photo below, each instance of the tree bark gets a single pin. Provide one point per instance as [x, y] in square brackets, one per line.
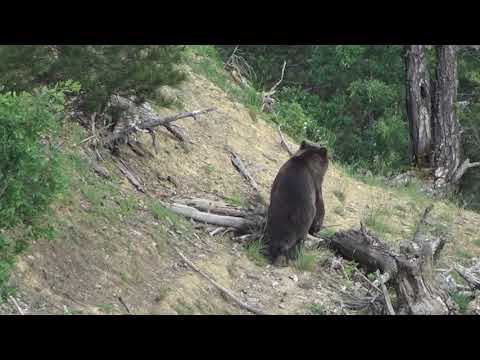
[419, 105]
[446, 128]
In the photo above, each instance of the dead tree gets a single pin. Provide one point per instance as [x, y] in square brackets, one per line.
[435, 132]
[419, 108]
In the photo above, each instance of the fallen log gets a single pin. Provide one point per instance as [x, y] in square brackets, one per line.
[411, 275]
[214, 207]
[240, 224]
[365, 249]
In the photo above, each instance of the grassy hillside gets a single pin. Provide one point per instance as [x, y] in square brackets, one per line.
[114, 242]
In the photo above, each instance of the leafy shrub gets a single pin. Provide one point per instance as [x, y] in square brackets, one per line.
[31, 163]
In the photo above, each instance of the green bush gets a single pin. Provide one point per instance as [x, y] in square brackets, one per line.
[31, 163]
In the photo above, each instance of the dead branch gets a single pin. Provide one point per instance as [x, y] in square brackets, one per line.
[239, 68]
[222, 289]
[468, 276]
[124, 168]
[124, 305]
[216, 231]
[229, 61]
[214, 207]
[273, 89]
[99, 169]
[462, 169]
[175, 132]
[151, 121]
[368, 280]
[267, 100]
[138, 148]
[15, 303]
[385, 294]
[240, 224]
[283, 142]
[238, 163]
[154, 139]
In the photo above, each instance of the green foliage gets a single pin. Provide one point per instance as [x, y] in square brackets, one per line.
[348, 97]
[255, 251]
[160, 212]
[102, 70]
[31, 164]
[6, 263]
[350, 267]
[317, 309]
[340, 195]
[462, 302]
[305, 260]
[33, 170]
[236, 200]
[377, 221]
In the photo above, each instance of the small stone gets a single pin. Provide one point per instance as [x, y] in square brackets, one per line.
[244, 291]
[98, 286]
[281, 306]
[275, 283]
[293, 277]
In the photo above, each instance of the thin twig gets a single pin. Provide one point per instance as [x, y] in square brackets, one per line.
[124, 305]
[216, 231]
[218, 286]
[12, 299]
[283, 143]
[367, 280]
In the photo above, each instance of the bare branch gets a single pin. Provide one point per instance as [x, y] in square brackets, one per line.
[152, 122]
[283, 143]
[273, 89]
[222, 289]
[15, 303]
[238, 163]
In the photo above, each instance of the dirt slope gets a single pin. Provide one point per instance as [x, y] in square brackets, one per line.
[111, 245]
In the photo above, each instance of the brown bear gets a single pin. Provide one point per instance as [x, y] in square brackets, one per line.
[296, 201]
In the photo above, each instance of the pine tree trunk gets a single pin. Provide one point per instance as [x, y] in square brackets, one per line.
[419, 105]
[446, 128]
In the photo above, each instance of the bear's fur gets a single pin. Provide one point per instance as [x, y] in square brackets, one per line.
[296, 201]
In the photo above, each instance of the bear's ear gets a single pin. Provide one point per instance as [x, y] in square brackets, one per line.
[323, 152]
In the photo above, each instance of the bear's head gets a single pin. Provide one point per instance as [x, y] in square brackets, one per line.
[316, 157]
